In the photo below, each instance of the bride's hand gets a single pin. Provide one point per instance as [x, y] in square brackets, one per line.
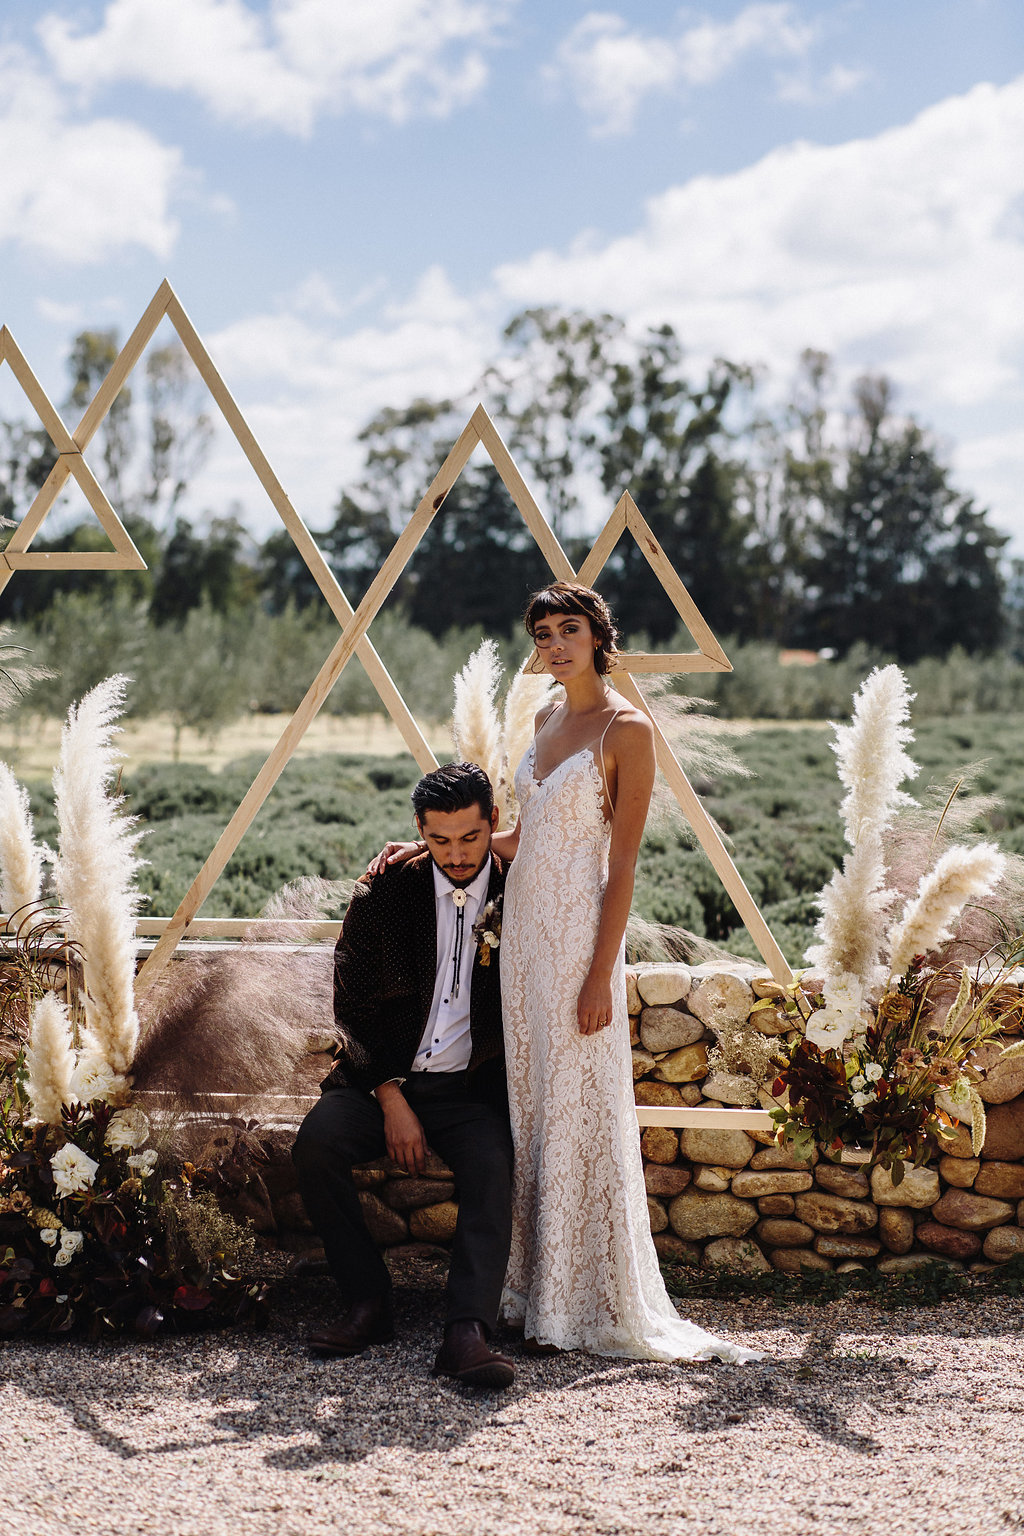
[594, 1004]
[393, 853]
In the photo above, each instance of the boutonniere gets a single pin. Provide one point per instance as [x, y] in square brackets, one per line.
[487, 930]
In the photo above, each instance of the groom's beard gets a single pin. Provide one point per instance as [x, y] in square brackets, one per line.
[462, 874]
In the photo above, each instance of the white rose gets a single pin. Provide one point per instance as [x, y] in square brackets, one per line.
[70, 1242]
[49, 1236]
[127, 1130]
[860, 1099]
[73, 1170]
[93, 1079]
[858, 1082]
[872, 1071]
[143, 1162]
[62, 1258]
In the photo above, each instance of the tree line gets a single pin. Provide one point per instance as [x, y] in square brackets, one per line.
[796, 518]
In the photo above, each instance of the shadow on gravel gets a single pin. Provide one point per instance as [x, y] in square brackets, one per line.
[306, 1415]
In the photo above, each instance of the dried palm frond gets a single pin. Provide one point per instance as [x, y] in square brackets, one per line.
[95, 875]
[17, 675]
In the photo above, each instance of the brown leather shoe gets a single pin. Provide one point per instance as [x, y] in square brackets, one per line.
[466, 1356]
[365, 1323]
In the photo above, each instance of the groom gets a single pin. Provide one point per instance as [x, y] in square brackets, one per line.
[420, 1064]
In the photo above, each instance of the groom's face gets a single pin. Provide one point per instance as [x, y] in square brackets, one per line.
[459, 841]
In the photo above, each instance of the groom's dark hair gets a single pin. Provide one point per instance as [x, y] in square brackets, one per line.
[453, 787]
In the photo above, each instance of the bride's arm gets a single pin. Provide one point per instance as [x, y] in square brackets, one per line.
[632, 742]
[505, 844]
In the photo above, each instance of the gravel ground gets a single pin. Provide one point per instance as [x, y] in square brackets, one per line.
[858, 1421]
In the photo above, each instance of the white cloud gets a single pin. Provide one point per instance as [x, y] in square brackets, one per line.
[73, 190]
[806, 90]
[898, 250]
[308, 387]
[610, 68]
[902, 253]
[388, 58]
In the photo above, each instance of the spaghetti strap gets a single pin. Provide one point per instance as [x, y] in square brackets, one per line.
[604, 771]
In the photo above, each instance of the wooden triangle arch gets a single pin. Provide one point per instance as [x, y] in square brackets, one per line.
[478, 430]
[166, 304]
[17, 556]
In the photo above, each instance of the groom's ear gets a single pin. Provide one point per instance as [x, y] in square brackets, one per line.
[494, 818]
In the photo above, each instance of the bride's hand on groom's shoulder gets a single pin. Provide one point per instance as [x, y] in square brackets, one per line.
[393, 853]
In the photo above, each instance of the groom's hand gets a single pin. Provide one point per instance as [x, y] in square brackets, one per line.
[403, 1133]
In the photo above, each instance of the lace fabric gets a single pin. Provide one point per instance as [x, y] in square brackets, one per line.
[583, 1271]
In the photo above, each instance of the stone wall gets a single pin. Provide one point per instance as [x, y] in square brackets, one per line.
[731, 1196]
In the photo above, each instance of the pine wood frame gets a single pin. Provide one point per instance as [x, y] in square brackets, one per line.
[354, 641]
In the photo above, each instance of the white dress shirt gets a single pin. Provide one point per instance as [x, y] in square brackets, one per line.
[446, 1045]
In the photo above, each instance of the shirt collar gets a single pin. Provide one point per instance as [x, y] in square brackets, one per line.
[475, 890]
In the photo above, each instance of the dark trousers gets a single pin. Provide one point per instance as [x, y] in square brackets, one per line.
[471, 1135]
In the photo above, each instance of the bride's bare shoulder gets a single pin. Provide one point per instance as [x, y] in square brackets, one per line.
[544, 713]
[630, 729]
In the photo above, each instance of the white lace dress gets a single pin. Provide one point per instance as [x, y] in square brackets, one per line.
[583, 1271]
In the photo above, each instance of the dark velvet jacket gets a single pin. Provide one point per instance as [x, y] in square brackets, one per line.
[385, 966]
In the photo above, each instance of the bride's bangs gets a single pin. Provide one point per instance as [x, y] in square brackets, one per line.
[570, 597]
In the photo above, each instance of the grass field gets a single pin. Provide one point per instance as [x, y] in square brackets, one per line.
[348, 791]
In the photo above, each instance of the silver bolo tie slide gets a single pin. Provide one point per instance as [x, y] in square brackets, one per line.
[460, 898]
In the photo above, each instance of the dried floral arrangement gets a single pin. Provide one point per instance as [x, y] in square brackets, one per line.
[917, 963]
[101, 1227]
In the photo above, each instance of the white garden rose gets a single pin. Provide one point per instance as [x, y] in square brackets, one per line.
[94, 1079]
[143, 1162]
[49, 1236]
[128, 1129]
[70, 1242]
[73, 1170]
[873, 1071]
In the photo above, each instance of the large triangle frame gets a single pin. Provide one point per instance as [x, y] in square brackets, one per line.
[354, 641]
[481, 430]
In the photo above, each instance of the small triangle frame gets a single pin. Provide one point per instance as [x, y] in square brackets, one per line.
[17, 555]
[627, 518]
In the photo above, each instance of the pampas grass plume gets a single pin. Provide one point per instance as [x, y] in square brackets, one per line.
[869, 754]
[959, 874]
[95, 872]
[527, 693]
[50, 1059]
[21, 862]
[475, 724]
[871, 764]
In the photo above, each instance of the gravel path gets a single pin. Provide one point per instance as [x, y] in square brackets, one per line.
[859, 1421]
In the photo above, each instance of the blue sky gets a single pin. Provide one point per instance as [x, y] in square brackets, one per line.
[352, 196]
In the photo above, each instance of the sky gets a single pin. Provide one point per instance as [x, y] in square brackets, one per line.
[352, 197]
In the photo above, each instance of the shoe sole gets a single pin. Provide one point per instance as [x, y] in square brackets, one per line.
[339, 1352]
[494, 1375]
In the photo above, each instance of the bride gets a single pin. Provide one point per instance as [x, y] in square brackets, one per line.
[583, 1272]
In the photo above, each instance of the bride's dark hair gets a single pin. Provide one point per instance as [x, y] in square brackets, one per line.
[574, 597]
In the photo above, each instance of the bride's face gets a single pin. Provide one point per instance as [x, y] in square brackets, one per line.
[566, 644]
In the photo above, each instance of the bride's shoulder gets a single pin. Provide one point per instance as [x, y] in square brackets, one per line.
[544, 713]
[629, 729]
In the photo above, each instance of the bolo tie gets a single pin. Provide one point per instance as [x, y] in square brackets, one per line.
[460, 898]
